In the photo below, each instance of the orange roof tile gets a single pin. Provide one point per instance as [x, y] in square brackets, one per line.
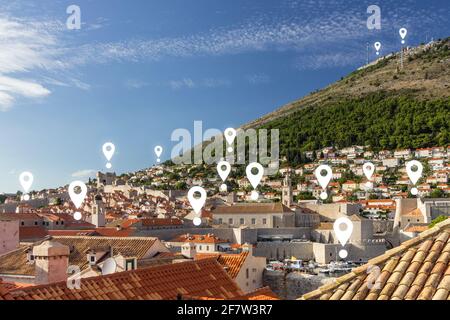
[232, 262]
[32, 233]
[416, 212]
[203, 278]
[264, 293]
[416, 228]
[418, 269]
[198, 238]
[15, 262]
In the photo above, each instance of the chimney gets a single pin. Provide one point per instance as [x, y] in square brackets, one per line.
[51, 262]
[188, 250]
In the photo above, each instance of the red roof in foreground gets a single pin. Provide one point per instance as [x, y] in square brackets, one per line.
[203, 278]
[264, 293]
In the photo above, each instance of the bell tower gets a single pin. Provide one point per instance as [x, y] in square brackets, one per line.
[98, 212]
[287, 196]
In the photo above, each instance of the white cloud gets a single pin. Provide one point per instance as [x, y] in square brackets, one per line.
[259, 78]
[84, 173]
[183, 83]
[322, 34]
[25, 46]
[135, 84]
[188, 83]
[10, 87]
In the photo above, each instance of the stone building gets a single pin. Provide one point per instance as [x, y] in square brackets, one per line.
[9, 235]
[254, 215]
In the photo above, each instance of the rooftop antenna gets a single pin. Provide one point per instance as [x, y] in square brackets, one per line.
[401, 57]
[367, 53]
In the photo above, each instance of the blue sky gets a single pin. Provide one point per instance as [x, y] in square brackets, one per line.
[137, 70]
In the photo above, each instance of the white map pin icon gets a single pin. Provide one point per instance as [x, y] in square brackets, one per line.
[323, 180]
[377, 46]
[26, 180]
[158, 152]
[368, 169]
[230, 135]
[108, 150]
[254, 179]
[197, 203]
[343, 229]
[224, 169]
[414, 176]
[77, 198]
[403, 32]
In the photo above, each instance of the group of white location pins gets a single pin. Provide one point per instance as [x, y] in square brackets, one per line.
[403, 32]
[323, 174]
[197, 195]
[109, 149]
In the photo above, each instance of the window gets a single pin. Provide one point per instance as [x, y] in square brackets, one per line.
[129, 265]
[200, 247]
[247, 273]
[92, 259]
[35, 223]
[220, 220]
[331, 254]
[57, 222]
[230, 221]
[62, 222]
[264, 221]
[241, 221]
[22, 223]
[253, 221]
[254, 270]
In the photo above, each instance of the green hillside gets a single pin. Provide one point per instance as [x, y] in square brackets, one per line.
[380, 105]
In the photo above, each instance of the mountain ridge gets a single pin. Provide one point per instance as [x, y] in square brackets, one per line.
[426, 74]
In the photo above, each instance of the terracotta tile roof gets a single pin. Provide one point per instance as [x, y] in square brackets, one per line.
[32, 233]
[198, 238]
[113, 232]
[20, 216]
[232, 262]
[252, 208]
[416, 228]
[147, 222]
[59, 233]
[8, 286]
[205, 278]
[15, 262]
[264, 293]
[416, 213]
[418, 269]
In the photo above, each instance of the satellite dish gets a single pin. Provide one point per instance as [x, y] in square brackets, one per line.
[109, 267]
